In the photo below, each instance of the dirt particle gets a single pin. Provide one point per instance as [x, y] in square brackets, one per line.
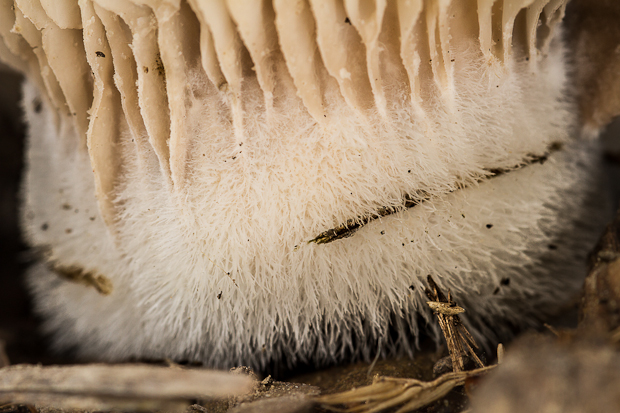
[37, 105]
[347, 21]
[505, 281]
[159, 65]
[489, 226]
[552, 247]
[79, 275]
[100, 54]
[66, 207]
[44, 227]
[219, 296]
[68, 231]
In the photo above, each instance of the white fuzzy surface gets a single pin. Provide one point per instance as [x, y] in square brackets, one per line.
[252, 217]
[210, 261]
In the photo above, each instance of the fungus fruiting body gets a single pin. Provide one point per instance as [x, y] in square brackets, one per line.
[201, 145]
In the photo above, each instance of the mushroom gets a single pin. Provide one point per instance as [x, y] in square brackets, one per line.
[273, 181]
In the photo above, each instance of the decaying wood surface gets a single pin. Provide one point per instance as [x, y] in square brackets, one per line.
[575, 370]
[268, 395]
[126, 387]
[544, 373]
[600, 307]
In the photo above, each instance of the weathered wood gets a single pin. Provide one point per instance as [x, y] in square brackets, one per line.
[126, 387]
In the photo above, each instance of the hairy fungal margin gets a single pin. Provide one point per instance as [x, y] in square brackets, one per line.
[349, 228]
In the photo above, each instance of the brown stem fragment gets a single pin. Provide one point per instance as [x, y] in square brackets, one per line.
[460, 342]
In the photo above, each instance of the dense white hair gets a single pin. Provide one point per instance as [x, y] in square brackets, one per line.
[248, 182]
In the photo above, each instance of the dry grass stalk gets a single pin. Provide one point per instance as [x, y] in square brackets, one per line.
[122, 387]
[388, 392]
[460, 342]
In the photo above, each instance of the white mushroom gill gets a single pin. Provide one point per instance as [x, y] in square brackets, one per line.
[183, 153]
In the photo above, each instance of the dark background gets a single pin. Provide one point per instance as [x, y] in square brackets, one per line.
[16, 321]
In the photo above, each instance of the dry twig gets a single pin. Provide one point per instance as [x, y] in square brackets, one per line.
[125, 387]
[410, 394]
[460, 342]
